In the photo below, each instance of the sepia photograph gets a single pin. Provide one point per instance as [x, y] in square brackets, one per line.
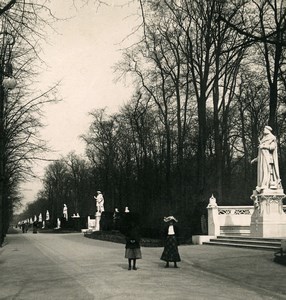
[142, 149]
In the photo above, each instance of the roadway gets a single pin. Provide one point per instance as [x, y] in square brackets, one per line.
[70, 266]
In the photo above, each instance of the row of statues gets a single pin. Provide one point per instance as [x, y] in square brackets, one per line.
[99, 206]
[268, 177]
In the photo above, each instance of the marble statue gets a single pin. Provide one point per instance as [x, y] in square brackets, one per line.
[99, 202]
[267, 163]
[268, 218]
[65, 212]
[58, 223]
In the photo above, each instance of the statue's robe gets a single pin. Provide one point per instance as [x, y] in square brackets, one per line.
[267, 164]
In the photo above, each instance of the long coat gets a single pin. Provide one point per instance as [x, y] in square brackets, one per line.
[170, 252]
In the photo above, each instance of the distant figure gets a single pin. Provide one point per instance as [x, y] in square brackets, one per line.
[23, 227]
[47, 216]
[116, 213]
[171, 253]
[99, 202]
[132, 246]
[127, 209]
[35, 227]
[65, 212]
[267, 162]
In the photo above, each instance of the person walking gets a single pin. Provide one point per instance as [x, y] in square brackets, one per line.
[23, 227]
[132, 246]
[170, 252]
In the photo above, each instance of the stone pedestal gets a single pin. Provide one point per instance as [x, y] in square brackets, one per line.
[268, 218]
[97, 221]
[58, 223]
[213, 222]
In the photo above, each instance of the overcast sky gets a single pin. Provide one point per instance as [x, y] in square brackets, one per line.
[81, 55]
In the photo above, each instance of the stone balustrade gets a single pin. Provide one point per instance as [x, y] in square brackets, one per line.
[234, 219]
[229, 220]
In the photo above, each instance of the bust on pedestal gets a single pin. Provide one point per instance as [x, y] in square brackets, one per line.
[268, 218]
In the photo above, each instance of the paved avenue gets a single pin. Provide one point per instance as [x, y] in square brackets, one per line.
[70, 266]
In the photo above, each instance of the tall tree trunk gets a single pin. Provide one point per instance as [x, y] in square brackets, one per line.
[168, 168]
[217, 140]
[201, 146]
[2, 152]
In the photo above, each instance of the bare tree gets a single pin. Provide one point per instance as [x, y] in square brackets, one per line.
[78, 175]
[265, 27]
[20, 110]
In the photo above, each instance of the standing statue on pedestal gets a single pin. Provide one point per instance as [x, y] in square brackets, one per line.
[99, 209]
[267, 163]
[268, 218]
[65, 212]
[47, 216]
[99, 202]
[58, 223]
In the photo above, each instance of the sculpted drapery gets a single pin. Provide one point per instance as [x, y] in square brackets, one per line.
[268, 176]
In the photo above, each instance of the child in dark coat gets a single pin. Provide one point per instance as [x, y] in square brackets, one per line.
[132, 246]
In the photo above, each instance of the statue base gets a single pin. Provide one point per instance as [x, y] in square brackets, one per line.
[268, 218]
[97, 221]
